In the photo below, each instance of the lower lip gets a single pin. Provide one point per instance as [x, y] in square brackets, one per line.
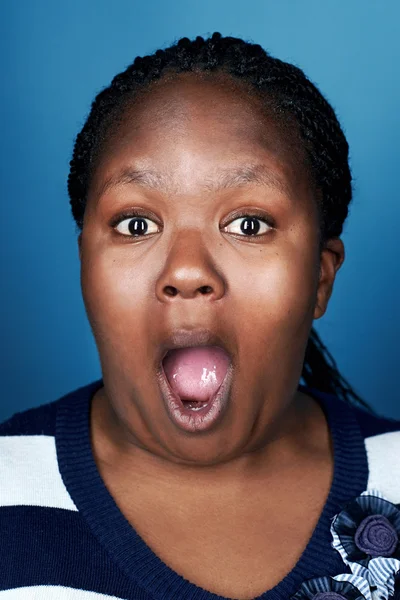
[200, 419]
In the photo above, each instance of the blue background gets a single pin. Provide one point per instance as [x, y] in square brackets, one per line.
[58, 55]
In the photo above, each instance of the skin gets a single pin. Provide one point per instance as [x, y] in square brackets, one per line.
[264, 292]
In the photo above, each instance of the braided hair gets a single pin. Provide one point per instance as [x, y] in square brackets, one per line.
[288, 92]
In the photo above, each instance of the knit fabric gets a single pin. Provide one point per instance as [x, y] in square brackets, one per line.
[63, 536]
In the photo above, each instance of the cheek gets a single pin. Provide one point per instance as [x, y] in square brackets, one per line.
[272, 308]
[279, 291]
[116, 294]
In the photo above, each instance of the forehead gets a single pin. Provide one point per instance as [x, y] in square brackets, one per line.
[188, 130]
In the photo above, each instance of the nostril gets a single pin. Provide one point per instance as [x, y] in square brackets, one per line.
[170, 290]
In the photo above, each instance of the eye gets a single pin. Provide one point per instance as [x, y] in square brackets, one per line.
[251, 225]
[134, 225]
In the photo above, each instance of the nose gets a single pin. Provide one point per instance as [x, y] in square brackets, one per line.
[189, 271]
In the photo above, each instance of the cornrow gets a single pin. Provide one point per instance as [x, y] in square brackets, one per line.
[288, 92]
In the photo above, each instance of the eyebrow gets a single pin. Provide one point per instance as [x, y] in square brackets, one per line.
[235, 177]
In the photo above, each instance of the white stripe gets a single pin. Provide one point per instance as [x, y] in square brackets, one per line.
[52, 592]
[383, 453]
[29, 473]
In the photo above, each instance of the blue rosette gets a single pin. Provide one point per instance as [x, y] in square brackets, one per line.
[368, 528]
[342, 587]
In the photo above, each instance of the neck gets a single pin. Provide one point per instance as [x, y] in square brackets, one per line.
[298, 434]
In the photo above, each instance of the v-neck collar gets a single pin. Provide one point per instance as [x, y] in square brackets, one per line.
[136, 559]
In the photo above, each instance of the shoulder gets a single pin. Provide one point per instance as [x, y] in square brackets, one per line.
[29, 472]
[375, 443]
[372, 425]
[41, 420]
[382, 445]
[34, 421]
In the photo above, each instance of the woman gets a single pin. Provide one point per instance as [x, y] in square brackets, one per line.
[210, 184]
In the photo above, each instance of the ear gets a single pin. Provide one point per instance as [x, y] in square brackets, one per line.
[80, 245]
[332, 257]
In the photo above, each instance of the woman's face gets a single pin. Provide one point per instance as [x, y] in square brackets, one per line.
[190, 156]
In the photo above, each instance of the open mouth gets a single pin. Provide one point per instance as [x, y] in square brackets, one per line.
[195, 383]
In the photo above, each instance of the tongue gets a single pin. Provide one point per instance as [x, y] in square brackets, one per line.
[196, 373]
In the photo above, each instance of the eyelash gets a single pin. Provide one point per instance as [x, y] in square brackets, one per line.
[245, 213]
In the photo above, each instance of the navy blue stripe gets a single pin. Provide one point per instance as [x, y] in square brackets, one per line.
[52, 546]
[35, 421]
[371, 425]
[41, 420]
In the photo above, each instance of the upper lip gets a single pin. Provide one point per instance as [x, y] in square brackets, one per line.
[189, 338]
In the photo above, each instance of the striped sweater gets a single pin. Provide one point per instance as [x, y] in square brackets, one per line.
[63, 537]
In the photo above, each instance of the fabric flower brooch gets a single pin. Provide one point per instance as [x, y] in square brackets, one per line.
[367, 536]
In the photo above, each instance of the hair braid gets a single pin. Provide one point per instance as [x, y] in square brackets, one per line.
[284, 87]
